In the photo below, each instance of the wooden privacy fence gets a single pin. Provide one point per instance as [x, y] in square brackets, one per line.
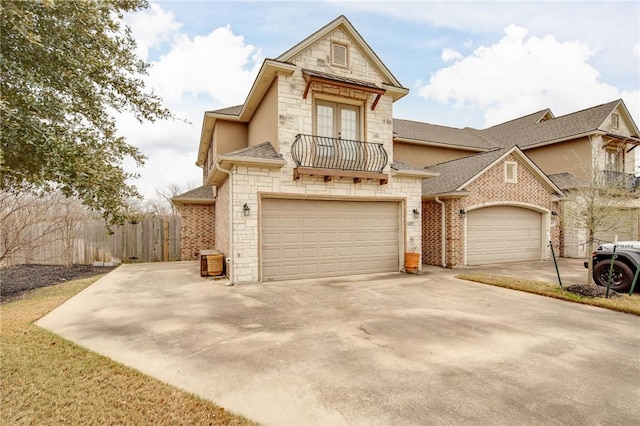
[152, 239]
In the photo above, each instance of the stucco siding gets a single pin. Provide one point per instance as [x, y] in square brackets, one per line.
[567, 157]
[424, 155]
[264, 123]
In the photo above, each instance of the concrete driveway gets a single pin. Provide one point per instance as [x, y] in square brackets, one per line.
[375, 349]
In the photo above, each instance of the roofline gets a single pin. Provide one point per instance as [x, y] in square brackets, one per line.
[629, 117]
[438, 144]
[216, 177]
[528, 162]
[564, 138]
[425, 174]
[226, 160]
[396, 92]
[446, 195]
[269, 70]
[193, 200]
[353, 33]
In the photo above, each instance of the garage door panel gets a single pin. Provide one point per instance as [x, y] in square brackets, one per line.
[335, 238]
[503, 234]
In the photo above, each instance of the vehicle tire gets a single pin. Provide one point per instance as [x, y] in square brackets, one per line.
[621, 278]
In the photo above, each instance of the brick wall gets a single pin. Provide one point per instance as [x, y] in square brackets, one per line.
[431, 233]
[489, 189]
[197, 229]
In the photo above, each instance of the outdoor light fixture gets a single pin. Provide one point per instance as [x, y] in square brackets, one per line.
[416, 213]
[462, 212]
[554, 213]
[246, 210]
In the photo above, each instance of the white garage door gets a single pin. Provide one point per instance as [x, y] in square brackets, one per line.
[503, 234]
[317, 238]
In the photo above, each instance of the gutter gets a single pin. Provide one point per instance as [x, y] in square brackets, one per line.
[443, 224]
[229, 260]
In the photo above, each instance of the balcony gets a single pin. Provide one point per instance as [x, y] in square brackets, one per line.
[342, 158]
[624, 181]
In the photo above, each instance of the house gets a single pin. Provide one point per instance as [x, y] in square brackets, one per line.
[311, 176]
[571, 150]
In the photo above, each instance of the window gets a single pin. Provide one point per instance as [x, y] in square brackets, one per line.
[510, 172]
[339, 54]
[615, 121]
[337, 121]
[613, 160]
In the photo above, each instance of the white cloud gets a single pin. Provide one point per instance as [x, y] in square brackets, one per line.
[151, 28]
[519, 75]
[636, 50]
[218, 64]
[449, 55]
[192, 75]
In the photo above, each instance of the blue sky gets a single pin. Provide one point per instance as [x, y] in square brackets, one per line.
[467, 63]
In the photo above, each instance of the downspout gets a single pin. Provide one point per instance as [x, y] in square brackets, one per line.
[443, 230]
[229, 259]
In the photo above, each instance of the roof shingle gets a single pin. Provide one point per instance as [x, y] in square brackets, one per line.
[454, 173]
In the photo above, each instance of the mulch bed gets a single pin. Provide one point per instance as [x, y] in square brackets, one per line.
[17, 280]
[591, 290]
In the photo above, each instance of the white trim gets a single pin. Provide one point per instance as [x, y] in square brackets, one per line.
[336, 44]
[527, 162]
[514, 166]
[437, 144]
[545, 224]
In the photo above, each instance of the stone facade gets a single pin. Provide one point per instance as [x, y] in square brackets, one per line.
[197, 229]
[251, 184]
[222, 219]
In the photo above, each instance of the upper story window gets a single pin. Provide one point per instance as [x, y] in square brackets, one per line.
[613, 160]
[615, 121]
[339, 54]
[511, 172]
[336, 120]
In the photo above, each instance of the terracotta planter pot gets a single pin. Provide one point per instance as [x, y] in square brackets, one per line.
[411, 262]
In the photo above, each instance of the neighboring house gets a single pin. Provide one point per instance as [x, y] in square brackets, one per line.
[313, 177]
[571, 150]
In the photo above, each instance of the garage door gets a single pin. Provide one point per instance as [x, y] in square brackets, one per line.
[503, 234]
[317, 238]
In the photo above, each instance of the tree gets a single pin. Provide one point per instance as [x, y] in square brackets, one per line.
[598, 204]
[67, 68]
[29, 221]
[161, 204]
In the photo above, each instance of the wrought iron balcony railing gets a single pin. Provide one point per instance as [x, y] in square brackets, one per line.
[338, 154]
[623, 181]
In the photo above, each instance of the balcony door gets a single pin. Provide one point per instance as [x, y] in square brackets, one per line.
[335, 120]
[338, 130]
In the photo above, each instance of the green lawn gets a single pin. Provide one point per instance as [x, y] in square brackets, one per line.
[49, 380]
[624, 303]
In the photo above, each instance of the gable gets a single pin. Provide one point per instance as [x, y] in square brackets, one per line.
[337, 48]
[493, 185]
[619, 122]
[497, 174]
[456, 177]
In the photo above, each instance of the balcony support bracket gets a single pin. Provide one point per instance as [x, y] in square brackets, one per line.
[329, 174]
